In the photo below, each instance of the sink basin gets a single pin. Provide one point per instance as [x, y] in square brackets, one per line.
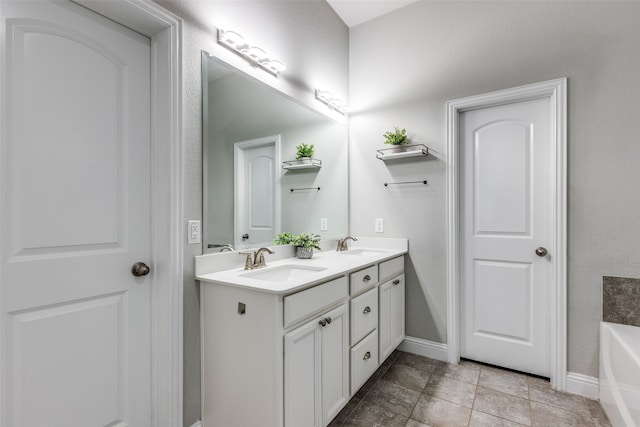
[283, 273]
[362, 252]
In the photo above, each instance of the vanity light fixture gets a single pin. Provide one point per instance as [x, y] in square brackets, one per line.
[327, 97]
[252, 54]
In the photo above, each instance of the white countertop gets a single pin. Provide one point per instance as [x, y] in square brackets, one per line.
[332, 264]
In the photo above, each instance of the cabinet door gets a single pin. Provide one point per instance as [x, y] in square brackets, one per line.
[335, 363]
[302, 376]
[391, 308]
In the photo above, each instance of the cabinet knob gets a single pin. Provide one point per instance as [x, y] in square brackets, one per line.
[367, 355]
[366, 278]
[367, 309]
[396, 282]
[323, 322]
[328, 319]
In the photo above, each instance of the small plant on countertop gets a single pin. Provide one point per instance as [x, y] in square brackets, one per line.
[307, 241]
[397, 137]
[304, 150]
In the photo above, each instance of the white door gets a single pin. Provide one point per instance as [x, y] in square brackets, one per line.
[506, 213]
[74, 210]
[257, 195]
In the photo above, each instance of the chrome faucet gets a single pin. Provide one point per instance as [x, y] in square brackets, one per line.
[255, 259]
[342, 244]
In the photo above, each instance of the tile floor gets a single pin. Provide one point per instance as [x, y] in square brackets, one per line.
[414, 391]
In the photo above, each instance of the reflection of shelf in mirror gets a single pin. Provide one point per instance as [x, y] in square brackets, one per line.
[403, 151]
[309, 163]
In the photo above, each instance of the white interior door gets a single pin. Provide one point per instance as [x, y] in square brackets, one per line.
[74, 208]
[257, 210]
[506, 213]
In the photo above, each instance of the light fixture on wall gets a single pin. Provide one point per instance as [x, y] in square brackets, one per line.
[253, 54]
[327, 97]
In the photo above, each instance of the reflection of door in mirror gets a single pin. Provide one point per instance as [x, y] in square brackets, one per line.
[257, 195]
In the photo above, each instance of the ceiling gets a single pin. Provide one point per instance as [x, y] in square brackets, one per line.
[355, 12]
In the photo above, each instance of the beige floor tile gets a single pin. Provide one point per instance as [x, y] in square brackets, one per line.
[407, 376]
[504, 381]
[369, 415]
[543, 393]
[451, 390]
[548, 415]
[439, 413]
[503, 405]
[466, 372]
[596, 411]
[414, 423]
[480, 419]
[418, 362]
[393, 397]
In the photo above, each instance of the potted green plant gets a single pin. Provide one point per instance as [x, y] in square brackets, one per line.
[304, 151]
[305, 244]
[397, 137]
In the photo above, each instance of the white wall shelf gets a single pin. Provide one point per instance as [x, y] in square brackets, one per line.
[403, 151]
[309, 163]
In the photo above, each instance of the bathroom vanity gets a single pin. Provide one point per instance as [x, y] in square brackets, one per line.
[288, 345]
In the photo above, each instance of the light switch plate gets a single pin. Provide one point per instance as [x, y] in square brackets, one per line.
[193, 231]
[379, 228]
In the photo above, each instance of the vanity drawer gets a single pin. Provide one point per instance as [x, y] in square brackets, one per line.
[364, 360]
[363, 279]
[310, 301]
[364, 315]
[391, 268]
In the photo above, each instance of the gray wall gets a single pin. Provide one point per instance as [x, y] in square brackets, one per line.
[406, 65]
[310, 38]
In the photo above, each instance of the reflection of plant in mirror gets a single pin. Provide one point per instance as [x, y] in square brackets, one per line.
[397, 137]
[304, 150]
[283, 239]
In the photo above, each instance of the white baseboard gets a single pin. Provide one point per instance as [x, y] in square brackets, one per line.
[583, 385]
[197, 424]
[426, 348]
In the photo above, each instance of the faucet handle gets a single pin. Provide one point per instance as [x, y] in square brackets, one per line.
[248, 262]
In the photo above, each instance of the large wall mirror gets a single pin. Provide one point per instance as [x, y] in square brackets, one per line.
[249, 130]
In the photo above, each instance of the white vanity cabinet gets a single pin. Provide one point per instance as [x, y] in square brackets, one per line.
[316, 369]
[293, 357]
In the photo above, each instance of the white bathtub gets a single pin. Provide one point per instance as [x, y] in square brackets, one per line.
[620, 373]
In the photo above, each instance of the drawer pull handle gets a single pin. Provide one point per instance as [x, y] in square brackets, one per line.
[328, 319]
[396, 282]
[366, 278]
[323, 322]
[367, 355]
[367, 309]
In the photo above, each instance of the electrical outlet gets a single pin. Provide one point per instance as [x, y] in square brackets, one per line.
[323, 224]
[193, 231]
[379, 225]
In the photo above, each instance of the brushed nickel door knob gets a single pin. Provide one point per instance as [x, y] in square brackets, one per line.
[140, 269]
[541, 251]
